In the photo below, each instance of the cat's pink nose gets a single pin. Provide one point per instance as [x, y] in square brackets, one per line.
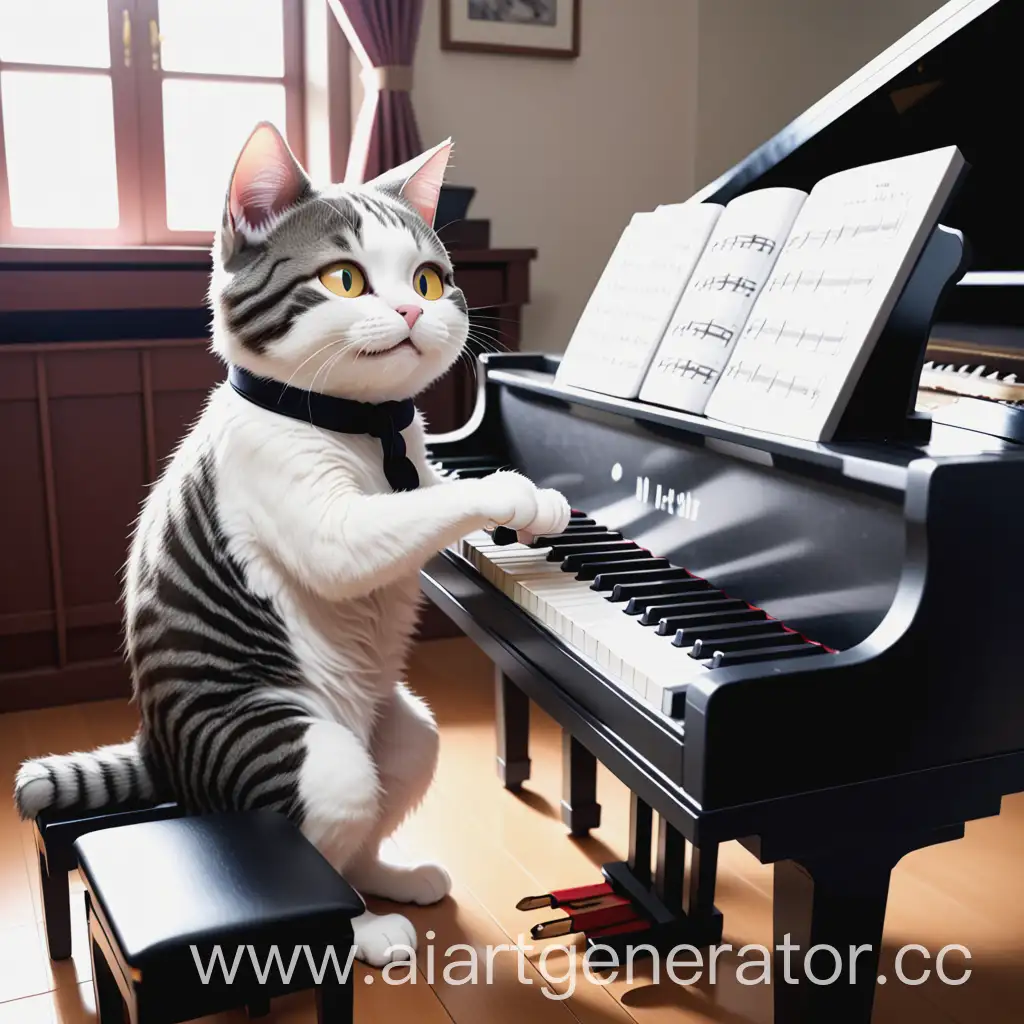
[410, 314]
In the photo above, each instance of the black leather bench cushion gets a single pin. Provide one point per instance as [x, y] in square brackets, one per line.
[162, 885]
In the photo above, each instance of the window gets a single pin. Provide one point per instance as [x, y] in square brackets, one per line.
[120, 119]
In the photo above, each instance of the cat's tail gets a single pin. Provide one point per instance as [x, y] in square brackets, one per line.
[111, 776]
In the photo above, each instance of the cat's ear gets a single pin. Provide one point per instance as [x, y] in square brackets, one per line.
[418, 181]
[266, 181]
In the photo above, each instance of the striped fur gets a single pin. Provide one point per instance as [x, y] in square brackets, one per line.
[272, 591]
[210, 660]
[90, 780]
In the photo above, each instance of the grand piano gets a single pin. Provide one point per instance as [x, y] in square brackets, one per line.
[805, 647]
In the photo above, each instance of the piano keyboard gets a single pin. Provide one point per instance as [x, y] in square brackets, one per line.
[648, 624]
[974, 381]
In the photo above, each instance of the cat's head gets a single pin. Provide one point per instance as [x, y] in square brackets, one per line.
[345, 290]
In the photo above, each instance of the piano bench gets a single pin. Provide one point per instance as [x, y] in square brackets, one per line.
[55, 835]
[197, 915]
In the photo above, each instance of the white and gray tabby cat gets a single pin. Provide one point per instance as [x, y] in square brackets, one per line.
[272, 586]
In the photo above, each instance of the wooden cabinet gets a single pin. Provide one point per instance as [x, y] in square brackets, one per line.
[104, 363]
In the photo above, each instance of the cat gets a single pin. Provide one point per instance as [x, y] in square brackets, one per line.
[271, 590]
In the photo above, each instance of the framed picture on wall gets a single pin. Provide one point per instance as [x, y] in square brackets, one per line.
[536, 28]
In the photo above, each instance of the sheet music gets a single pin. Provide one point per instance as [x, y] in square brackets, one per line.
[626, 315]
[729, 276]
[840, 273]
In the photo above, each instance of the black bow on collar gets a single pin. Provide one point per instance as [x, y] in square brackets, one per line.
[383, 420]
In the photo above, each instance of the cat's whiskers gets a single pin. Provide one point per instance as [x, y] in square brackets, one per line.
[470, 362]
[322, 348]
[487, 344]
[476, 335]
[485, 329]
[329, 365]
[477, 315]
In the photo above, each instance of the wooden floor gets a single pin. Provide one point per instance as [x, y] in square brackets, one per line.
[500, 847]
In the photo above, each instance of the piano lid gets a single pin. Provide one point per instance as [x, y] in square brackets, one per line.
[953, 80]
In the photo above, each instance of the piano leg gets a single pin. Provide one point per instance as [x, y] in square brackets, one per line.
[838, 902]
[700, 893]
[580, 809]
[512, 716]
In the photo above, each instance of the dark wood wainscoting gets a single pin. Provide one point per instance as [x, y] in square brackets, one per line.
[104, 364]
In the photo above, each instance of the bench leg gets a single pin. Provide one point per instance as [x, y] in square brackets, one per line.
[334, 1003]
[109, 1004]
[56, 911]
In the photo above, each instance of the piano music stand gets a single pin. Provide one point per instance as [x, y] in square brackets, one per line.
[882, 406]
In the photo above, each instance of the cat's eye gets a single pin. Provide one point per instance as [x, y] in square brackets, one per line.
[427, 281]
[344, 279]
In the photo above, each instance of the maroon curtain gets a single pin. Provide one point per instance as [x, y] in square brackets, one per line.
[383, 34]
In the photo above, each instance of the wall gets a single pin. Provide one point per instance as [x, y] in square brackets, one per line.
[563, 152]
[762, 62]
[664, 96]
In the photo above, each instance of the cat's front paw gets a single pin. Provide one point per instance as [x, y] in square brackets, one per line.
[553, 513]
[381, 939]
[423, 883]
[515, 502]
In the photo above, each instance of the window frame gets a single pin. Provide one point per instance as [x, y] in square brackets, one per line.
[126, 147]
[150, 102]
[137, 89]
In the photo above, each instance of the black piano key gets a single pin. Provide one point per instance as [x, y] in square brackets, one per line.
[656, 612]
[622, 574]
[577, 514]
[680, 582]
[722, 660]
[708, 648]
[609, 559]
[619, 581]
[546, 540]
[591, 570]
[668, 626]
[691, 634]
[638, 605]
[590, 547]
[578, 529]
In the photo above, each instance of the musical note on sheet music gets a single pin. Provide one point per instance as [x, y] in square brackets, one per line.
[705, 329]
[758, 242]
[687, 368]
[776, 333]
[727, 282]
[869, 219]
[772, 381]
[820, 280]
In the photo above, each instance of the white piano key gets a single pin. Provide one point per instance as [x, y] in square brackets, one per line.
[634, 656]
